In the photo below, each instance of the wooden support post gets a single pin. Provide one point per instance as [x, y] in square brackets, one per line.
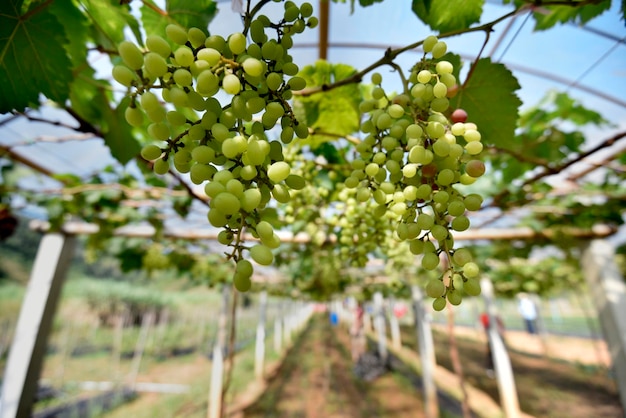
[217, 361]
[379, 326]
[501, 361]
[140, 346]
[259, 352]
[278, 329]
[394, 326]
[34, 324]
[426, 349]
[608, 292]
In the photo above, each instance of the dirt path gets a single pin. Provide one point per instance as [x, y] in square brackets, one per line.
[316, 380]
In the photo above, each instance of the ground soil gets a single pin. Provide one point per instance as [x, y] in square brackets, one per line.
[317, 379]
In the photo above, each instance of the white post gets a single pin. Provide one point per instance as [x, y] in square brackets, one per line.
[501, 361]
[278, 329]
[394, 326]
[259, 352]
[379, 325]
[23, 366]
[426, 348]
[608, 292]
[217, 362]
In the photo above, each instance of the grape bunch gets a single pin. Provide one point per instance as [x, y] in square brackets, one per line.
[209, 103]
[414, 152]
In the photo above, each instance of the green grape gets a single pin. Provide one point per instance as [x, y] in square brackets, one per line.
[430, 261]
[203, 154]
[454, 297]
[237, 43]
[460, 223]
[150, 102]
[130, 54]
[183, 77]
[176, 34]
[199, 173]
[155, 64]
[123, 75]
[250, 199]
[429, 43]
[440, 90]
[439, 232]
[157, 44]
[257, 31]
[435, 288]
[457, 281]
[295, 182]
[471, 135]
[456, 208]
[281, 193]
[133, 116]
[297, 83]
[471, 270]
[441, 148]
[241, 282]
[217, 218]
[159, 131]
[214, 188]
[253, 67]
[216, 42]
[161, 166]
[474, 148]
[210, 56]
[265, 230]
[226, 203]
[444, 67]
[184, 56]
[151, 152]
[439, 49]
[439, 304]
[461, 256]
[278, 171]
[473, 202]
[445, 177]
[435, 130]
[424, 76]
[207, 83]
[196, 37]
[472, 287]
[225, 237]
[231, 84]
[261, 254]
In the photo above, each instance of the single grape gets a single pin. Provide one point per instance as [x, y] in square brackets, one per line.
[151, 152]
[133, 116]
[196, 37]
[430, 261]
[157, 44]
[439, 49]
[472, 287]
[237, 43]
[130, 54]
[475, 168]
[176, 33]
[439, 304]
[429, 43]
[253, 67]
[231, 84]
[262, 254]
[435, 288]
[155, 64]
[226, 203]
[278, 171]
[458, 116]
[471, 270]
[123, 75]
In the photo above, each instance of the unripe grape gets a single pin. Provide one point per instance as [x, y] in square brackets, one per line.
[429, 43]
[439, 304]
[196, 37]
[155, 64]
[439, 104]
[182, 77]
[159, 131]
[435, 129]
[439, 49]
[231, 84]
[473, 201]
[278, 171]
[216, 42]
[176, 34]
[161, 166]
[262, 254]
[416, 246]
[297, 83]
[435, 288]
[424, 76]
[123, 75]
[430, 261]
[237, 43]
[456, 208]
[471, 135]
[440, 90]
[207, 83]
[217, 218]
[471, 270]
[253, 67]
[377, 78]
[474, 148]
[157, 44]
[250, 199]
[395, 111]
[472, 287]
[445, 177]
[454, 297]
[151, 152]
[226, 203]
[444, 67]
[131, 55]
[264, 230]
[439, 232]
[457, 281]
[184, 56]
[209, 55]
[460, 223]
[225, 237]
[241, 282]
[295, 182]
[133, 116]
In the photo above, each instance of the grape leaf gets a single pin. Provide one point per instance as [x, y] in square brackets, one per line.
[109, 19]
[336, 111]
[76, 28]
[197, 14]
[448, 15]
[547, 17]
[33, 59]
[490, 101]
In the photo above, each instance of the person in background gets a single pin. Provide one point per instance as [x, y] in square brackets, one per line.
[528, 311]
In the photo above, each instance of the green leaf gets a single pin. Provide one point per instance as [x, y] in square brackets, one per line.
[549, 16]
[33, 59]
[490, 101]
[197, 14]
[336, 111]
[448, 15]
[76, 28]
[117, 134]
[109, 19]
